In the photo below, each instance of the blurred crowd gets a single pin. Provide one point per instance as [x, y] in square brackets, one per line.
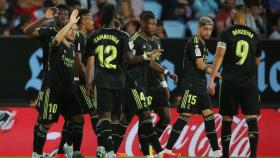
[264, 15]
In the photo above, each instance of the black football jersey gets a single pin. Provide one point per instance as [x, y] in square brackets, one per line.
[193, 78]
[242, 47]
[108, 46]
[60, 76]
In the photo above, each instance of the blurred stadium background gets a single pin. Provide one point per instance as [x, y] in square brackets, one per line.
[21, 71]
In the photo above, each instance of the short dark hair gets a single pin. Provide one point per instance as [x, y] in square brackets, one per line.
[48, 3]
[74, 2]
[62, 6]
[146, 15]
[107, 14]
[82, 12]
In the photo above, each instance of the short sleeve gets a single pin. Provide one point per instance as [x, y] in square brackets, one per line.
[222, 40]
[89, 46]
[127, 44]
[194, 48]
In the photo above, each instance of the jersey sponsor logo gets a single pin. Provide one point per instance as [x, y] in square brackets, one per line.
[131, 45]
[197, 52]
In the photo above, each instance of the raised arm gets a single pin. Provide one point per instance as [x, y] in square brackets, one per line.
[31, 30]
[61, 34]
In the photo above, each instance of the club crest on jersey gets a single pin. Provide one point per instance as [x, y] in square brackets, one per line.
[197, 52]
[131, 45]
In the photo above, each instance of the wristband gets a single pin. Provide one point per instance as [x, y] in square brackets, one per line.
[164, 84]
[166, 72]
[76, 78]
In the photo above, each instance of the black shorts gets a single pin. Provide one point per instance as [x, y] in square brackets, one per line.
[51, 105]
[231, 96]
[156, 97]
[193, 102]
[87, 103]
[135, 101]
[108, 100]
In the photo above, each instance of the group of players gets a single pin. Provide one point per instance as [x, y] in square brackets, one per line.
[112, 77]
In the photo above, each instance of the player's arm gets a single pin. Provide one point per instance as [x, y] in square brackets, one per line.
[61, 34]
[89, 75]
[156, 67]
[79, 66]
[31, 30]
[132, 59]
[219, 57]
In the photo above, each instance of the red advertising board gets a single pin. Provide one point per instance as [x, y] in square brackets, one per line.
[16, 135]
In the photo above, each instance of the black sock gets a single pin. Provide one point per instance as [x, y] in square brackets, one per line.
[253, 135]
[65, 135]
[226, 136]
[150, 134]
[106, 133]
[77, 135]
[118, 130]
[94, 120]
[143, 141]
[98, 135]
[160, 127]
[176, 130]
[40, 136]
[209, 122]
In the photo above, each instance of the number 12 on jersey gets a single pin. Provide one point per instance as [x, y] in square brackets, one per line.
[242, 48]
[110, 50]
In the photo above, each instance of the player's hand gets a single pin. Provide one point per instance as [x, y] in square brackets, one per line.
[219, 76]
[50, 12]
[166, 93]
[89, 87]
[155, 54]
[74, 16]
[211, 88]
[174, 77]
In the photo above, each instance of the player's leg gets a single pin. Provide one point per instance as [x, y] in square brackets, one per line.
[250, 105]
[184, 117]
[48, 113]
[66, 137]
[147, 130]
[204, 105]
[160, 105]
[105, 103]
[71, 110]
[119, 129]
[228, 108]
[210, 131]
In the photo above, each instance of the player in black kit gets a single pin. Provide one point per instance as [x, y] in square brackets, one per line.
[107, 49]
[238, 51]
[85, 26]
[58, 92]
[196, 98]
[135, 91]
